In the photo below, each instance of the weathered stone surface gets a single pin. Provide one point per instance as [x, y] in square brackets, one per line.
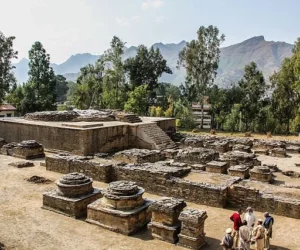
[241, 171]
[139, 156]
[244, 195]
[2, 142]
[74, 192]
[200, 167]
[166, 210]
[30, 149]
[170, 153]
[164, 223]
[122, 209]
[272, 167]
[22, 164]
[74, 185]
[217, 167]
[7, 149]
[293, 149]
[52, 116]
[261, 173]
[268, 144]
[239, 158]
[219, 146]
[196, 155]
[163, 232]
[192, 233]
[279, 152]
[195, 142]
[261, 151]
[65, 163]
[242, 148]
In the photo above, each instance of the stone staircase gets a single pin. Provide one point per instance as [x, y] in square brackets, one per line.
[154, 135]
[131, 118]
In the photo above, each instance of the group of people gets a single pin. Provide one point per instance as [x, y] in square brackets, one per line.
[248, 231]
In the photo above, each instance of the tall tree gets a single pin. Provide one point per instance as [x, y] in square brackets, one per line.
[146, 68]
[200, 58]
[61, 88]
[253, 86]
[114, 79]
[137, 101]
[7, 53]
[92, 76]
[41, 79]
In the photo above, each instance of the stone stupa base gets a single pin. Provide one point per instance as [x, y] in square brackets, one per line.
[164, 232]
[191, 242]
[73, 207]
[126, 222]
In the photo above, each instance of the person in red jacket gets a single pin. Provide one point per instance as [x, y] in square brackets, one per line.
[237, 223]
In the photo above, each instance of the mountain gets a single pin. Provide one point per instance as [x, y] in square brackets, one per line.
[268, 55]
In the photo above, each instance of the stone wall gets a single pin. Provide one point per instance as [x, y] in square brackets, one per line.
[166, 181]
[68, 164]
[243, 196]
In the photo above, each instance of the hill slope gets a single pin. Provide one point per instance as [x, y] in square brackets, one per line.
[267, 54]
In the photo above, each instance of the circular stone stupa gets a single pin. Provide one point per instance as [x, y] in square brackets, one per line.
[122, 208]
[74, 192]
[74, 185]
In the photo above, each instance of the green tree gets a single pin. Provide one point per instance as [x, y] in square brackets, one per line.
[16, 96]
[137, 102]
[146, 68]
[61, 88]
[81, 97]
[114, 84]
[41, 81]
[7, 53]
[253, 86]
[200, 58]
[283, 98]
[92, 76]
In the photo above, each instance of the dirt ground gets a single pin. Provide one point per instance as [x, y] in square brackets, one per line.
[24, 225]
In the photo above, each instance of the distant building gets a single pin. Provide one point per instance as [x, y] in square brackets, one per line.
[197, 112]
[7, 110]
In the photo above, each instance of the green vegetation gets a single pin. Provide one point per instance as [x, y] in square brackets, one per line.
[249, 104]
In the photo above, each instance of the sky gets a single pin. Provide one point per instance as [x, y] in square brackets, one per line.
[67, 27]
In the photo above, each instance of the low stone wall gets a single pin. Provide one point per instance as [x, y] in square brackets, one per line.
[165, 181]
[68, 164]
[242, 196]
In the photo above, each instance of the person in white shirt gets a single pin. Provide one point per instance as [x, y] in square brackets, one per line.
[250, 217]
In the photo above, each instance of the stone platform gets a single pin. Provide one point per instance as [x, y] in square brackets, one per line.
[72, 196]
[84, 138]
[122, 209]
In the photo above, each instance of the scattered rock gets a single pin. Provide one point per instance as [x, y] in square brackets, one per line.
[2, 247]
[269, 135]
[292, 174]
[38, 180]
[196, 130]
[22, 164]
[212, 132]
[248, 134]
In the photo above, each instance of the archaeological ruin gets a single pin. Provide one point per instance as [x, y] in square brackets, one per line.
[74, 192]
[122, 208]
[133, 155]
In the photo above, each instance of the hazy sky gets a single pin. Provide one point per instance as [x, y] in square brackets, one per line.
[67, 27]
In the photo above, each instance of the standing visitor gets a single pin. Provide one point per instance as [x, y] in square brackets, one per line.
[237, 223]
[227, 241]
[259, 235]
[244, 236]
[268, 224]
[250, 217]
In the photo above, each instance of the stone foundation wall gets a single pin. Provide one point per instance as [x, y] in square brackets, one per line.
[241, 196]
[67, 164]
[168, 184]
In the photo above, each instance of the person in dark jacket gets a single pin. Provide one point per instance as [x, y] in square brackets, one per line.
[268, 224]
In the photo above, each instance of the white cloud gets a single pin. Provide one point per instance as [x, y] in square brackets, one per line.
[148, 4]
[126, 21]
[160, 19]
